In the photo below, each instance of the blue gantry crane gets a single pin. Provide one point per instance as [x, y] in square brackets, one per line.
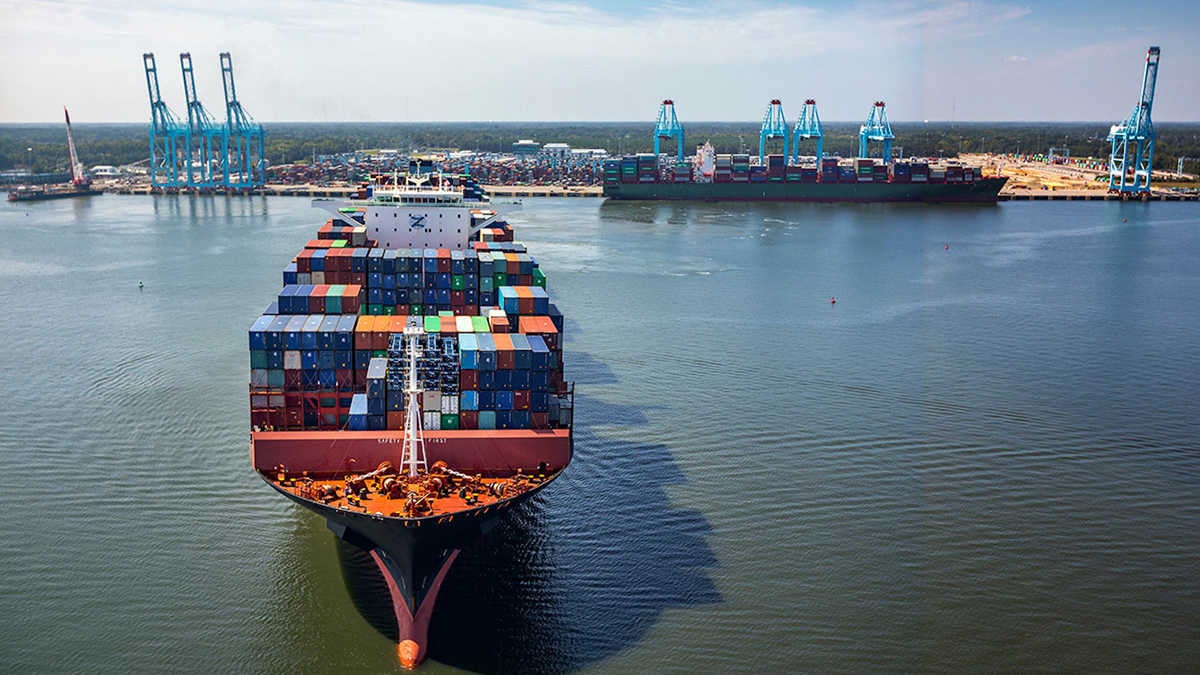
[1138, 130]
[808, 127]
[168, 136]
[668, 126]
[205, 137]
[876, 129]
[245, 162]
[774, 125]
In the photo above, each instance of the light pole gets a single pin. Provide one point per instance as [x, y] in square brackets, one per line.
[29, 159]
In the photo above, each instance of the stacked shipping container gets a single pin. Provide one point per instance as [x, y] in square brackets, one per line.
[326, 355]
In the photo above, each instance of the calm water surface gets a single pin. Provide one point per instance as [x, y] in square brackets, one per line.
[981, 458]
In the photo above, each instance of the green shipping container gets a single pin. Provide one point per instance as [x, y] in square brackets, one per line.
[457, 283]
[379, 353]
[258, 358]
[414, 310]
[333, 305]
[539, 277]
[480, 324]
[487, 419]
[375, 310]
[433, 324]
[388, 310]
[449, 421]
[486, 285]
[499, 279]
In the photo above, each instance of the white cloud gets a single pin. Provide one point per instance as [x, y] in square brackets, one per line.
[408, 60]
[1016, 59]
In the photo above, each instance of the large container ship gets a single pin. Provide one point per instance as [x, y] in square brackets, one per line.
[407, 384]
[733, 177]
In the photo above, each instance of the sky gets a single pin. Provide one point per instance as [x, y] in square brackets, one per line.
[410, 60]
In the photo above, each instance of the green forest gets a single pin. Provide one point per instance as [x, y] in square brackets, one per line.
[44, 145]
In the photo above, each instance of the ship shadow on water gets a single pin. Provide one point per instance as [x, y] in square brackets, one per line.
[578, 574]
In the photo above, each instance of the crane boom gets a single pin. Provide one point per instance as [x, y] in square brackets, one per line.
[79, 176]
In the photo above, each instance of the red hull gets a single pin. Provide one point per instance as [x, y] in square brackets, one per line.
[471, 451]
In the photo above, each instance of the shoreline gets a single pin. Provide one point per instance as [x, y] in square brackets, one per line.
[594, 192]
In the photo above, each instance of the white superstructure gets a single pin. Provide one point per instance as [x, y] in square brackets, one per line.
[414, 216]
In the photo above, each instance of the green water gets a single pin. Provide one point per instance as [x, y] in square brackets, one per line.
[985, 457]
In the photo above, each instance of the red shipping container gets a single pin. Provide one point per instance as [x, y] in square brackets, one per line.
[468, 380]
[402, 310]
[358, 278]
[260, 418]
[344, 378]
[524, 279]
[499, 324]
[457, 298]
[443, 258]
[292, 380]
[395, 420]
[449, 325]
[539, 420]
[521, 399]
[304, 261]
[505, 354]
[293, 419]
[468, 419]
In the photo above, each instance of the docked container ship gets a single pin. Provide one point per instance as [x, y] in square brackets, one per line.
[407, 383]
[733, 177]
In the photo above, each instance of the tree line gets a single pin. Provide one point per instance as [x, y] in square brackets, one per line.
[44, 147]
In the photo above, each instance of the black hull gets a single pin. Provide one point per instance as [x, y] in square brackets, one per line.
[418, 546]
[984, 190]
[413, 555]
[43, 196]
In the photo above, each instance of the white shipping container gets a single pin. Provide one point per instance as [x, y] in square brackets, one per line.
[258, 377]
[304, 278]
[291, 360]
[433, 421]
[258, 401]
[275, 401]
[431, 400]
[318, 277]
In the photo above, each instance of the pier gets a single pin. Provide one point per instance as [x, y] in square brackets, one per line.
[312, 191]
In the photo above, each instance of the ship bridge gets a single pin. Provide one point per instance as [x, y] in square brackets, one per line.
[414, 217]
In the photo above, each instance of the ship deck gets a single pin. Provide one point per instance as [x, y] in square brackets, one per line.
[431, 494]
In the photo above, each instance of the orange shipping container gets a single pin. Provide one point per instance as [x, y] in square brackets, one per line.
[363, 330]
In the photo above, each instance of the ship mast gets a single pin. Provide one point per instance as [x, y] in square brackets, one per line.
[414, 437]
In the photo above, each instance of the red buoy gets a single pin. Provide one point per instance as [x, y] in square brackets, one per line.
[832, 300]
